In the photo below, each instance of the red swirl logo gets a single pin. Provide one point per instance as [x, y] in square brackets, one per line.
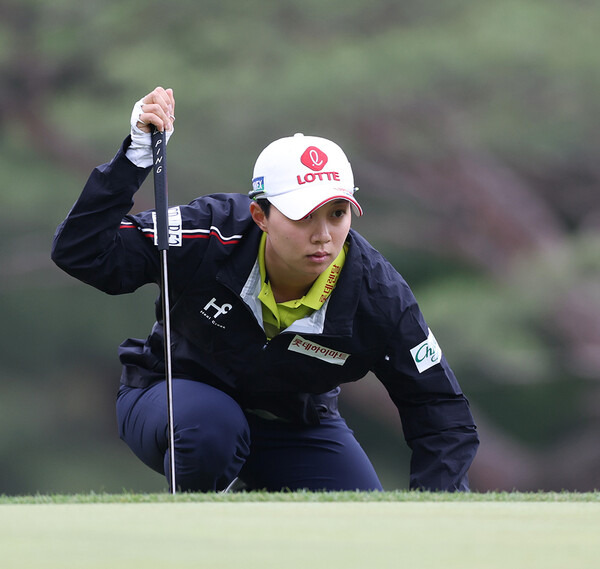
[314, 158]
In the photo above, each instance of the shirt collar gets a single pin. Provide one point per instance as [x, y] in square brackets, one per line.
[319, 291]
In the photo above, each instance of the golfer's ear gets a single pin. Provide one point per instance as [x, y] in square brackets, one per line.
[258, 215]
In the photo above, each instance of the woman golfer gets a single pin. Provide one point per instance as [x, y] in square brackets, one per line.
[275, 302]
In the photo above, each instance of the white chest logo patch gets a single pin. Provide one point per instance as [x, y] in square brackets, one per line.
[308, 348]
[427, 353]
[175, 227]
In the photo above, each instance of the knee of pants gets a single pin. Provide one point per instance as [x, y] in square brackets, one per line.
[209, 456]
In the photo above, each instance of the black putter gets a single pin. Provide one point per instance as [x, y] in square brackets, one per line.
[159, 154]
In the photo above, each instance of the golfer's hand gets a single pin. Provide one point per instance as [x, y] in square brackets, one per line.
[157, 108]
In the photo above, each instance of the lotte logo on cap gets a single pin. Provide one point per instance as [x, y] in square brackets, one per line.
[314, 158]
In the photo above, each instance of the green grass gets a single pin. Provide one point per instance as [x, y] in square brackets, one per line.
[299, 530]
[394, 496]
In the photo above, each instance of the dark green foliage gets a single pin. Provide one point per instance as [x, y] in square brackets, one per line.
[473, 131]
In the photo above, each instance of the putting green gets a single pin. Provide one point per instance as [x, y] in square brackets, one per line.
[443, 535]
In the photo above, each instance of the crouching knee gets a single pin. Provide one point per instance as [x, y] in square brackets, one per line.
[209, 457]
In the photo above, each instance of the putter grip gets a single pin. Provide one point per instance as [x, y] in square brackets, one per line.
[159, 156]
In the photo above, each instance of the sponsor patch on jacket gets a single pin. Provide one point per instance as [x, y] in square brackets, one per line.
[427, 353]
[308, 348]
[175, 227]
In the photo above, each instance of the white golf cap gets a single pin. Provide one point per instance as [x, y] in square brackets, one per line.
[298, 174]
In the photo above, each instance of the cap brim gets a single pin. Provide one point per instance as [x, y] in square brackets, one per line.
[298, 204]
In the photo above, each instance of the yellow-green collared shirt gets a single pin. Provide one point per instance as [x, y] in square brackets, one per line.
[278, 316]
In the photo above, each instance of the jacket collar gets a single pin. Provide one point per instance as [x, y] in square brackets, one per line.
[241, 275]
[235, 270]
[344, 300]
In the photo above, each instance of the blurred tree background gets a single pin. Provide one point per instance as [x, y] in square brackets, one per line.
[474, 132]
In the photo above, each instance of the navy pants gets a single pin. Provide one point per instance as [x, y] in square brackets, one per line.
[215, 441]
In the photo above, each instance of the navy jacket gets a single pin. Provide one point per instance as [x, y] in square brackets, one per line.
[371, 322]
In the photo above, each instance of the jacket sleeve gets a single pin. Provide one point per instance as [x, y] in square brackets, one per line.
[437, 422]
[93, 245]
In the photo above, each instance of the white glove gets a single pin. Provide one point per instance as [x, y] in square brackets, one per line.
[140, 150]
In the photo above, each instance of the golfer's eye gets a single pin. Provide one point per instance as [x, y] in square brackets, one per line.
[339, 213]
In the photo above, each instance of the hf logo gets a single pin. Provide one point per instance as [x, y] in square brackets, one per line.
[215, 311]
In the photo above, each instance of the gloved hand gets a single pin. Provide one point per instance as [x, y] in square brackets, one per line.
[156, 108]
